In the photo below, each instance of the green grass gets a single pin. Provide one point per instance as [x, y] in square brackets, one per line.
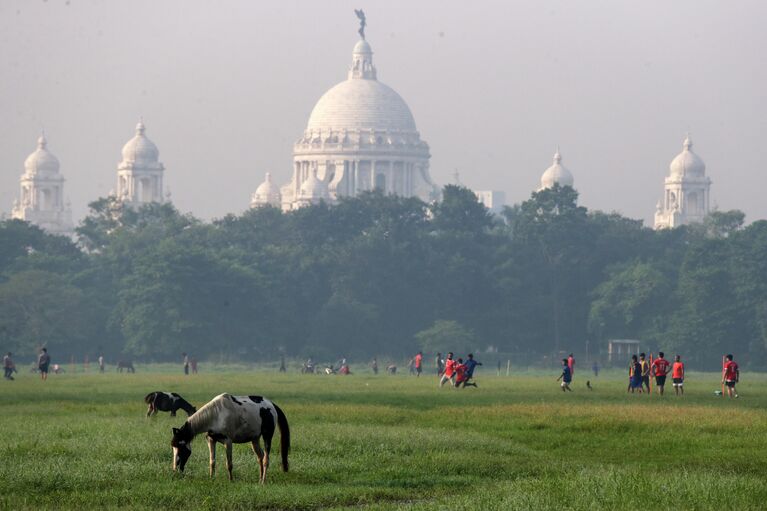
[82, 441]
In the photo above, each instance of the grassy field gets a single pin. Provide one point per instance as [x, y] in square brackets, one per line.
[82, 441]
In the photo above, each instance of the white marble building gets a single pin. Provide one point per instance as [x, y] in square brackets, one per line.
[42, 193]
[686, 197]
[494, 200]
[140, 173]
[556, 174]
[360, 136]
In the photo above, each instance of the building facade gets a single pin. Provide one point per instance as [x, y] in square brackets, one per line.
[42, 193]
[361, 136]
[686, 191]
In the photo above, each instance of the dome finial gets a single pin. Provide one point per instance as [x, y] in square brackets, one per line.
[140, 128]
[42, 142]
[687, 142]
[557, 155]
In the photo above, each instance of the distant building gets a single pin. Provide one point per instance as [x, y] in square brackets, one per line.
[686, 197]
[360, 136]
[493, 200]
[556, 174]
[140, 173]
[42, 193]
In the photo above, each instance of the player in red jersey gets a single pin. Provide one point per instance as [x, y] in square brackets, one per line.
[460, 373]
[418, 363]
[731, 376]
[449, 373]
[660, 370]
[677, 374]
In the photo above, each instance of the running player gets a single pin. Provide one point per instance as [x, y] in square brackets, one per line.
[449, 373]
[418, 359]
[566, 376]
[470, 364]
[460, 373]
[677, 373]
[731, 376]
[660, 370]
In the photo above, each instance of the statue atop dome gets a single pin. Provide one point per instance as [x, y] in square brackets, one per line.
[361, 15]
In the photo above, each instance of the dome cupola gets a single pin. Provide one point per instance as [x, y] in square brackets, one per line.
[556, 174]
[42, 160]
[266, 194]
[140, 149]
[687, 163]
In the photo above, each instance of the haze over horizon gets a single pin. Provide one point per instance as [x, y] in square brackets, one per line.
[494, 88]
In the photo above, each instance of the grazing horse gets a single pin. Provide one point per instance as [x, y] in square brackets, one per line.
[125, 364]
[167, 402]
[233, 419]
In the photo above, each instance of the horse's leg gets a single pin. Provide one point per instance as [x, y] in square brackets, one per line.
[149, 410]
[212, 449]
[260, 456]
[267, 450]
[229, 457]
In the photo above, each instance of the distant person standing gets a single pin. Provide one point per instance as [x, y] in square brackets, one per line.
[635, 375]
[571, 364]
[660, 369]
[645, 371]
[186, 363]
[101, 363]
[418, 363]
[8, 366]
[374, 365]
[439, 363]
[43, 361]
[470, 364]
[731, 376]
[566, 376]
[595, 368]
[193, 364]
[677, 375]
[283, 369]
[449, 374]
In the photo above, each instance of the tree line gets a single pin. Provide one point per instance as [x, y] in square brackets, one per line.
[385, 275]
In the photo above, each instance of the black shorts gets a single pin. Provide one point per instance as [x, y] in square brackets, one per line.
[730, 384]
[418, 369]
[678, 381]
[646, 380]
[660, 380]
[43, 368]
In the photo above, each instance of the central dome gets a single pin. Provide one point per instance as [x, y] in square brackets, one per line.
[361, 104]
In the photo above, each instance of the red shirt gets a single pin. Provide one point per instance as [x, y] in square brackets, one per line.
[418, 359]
[677, 371]
[449, 367]
[460, 371]
[571, 364]
[730, 370]
[661, 366]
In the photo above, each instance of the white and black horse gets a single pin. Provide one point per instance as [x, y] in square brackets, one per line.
[167, 402]
[233, 419]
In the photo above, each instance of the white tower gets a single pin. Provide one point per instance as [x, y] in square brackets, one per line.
[556, 174]
[139, 174]
[42, 192]
[686, 197]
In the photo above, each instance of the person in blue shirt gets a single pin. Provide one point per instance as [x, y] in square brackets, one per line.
[470, 365]
[566, 376]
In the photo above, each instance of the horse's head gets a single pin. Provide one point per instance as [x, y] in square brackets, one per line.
[182, 446]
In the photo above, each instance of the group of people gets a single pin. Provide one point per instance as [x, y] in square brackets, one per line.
[457, 372]
[641, 370]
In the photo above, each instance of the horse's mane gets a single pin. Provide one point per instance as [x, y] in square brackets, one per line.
[202, 419]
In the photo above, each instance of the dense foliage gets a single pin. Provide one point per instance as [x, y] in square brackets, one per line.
[385, 275]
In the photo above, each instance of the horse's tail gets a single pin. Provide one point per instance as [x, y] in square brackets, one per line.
[150, 397]
[282, 422]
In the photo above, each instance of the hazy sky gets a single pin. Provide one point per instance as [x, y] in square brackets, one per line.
[226, 87]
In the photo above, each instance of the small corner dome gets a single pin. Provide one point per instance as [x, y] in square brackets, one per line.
[140, 148]
[556, 174]
[313, 188]
[687, 163]
[42, 160]
[267, 192]
[362, 46]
